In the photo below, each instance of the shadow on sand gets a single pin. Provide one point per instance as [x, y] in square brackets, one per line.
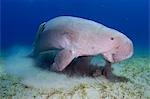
[79, 67]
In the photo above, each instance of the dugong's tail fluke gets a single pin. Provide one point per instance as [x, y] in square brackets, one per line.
[40, 29]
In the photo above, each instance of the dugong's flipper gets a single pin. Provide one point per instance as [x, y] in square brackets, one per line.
[62, 59]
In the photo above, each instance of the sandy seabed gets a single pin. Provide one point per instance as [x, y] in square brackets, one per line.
[19, 79]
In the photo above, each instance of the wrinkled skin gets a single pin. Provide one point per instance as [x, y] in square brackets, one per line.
[76, 37]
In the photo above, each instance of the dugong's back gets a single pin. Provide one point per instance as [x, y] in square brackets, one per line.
[61, 32]
[72, 23]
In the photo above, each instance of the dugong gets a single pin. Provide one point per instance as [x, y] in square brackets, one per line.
[74, 37]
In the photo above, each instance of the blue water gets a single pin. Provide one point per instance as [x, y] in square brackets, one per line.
[21, 18]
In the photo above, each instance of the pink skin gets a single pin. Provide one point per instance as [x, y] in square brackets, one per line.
[123, 50]
[80, 37]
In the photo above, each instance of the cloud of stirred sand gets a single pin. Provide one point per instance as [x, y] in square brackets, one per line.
[19, 65]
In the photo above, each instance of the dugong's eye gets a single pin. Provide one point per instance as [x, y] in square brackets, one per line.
[112, 38]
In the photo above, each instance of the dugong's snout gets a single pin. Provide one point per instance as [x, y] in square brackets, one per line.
[123, 50]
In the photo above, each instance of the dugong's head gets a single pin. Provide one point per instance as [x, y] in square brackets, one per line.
[121, 50]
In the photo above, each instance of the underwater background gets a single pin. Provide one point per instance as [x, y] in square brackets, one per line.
[21, 77]
[20, 18]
